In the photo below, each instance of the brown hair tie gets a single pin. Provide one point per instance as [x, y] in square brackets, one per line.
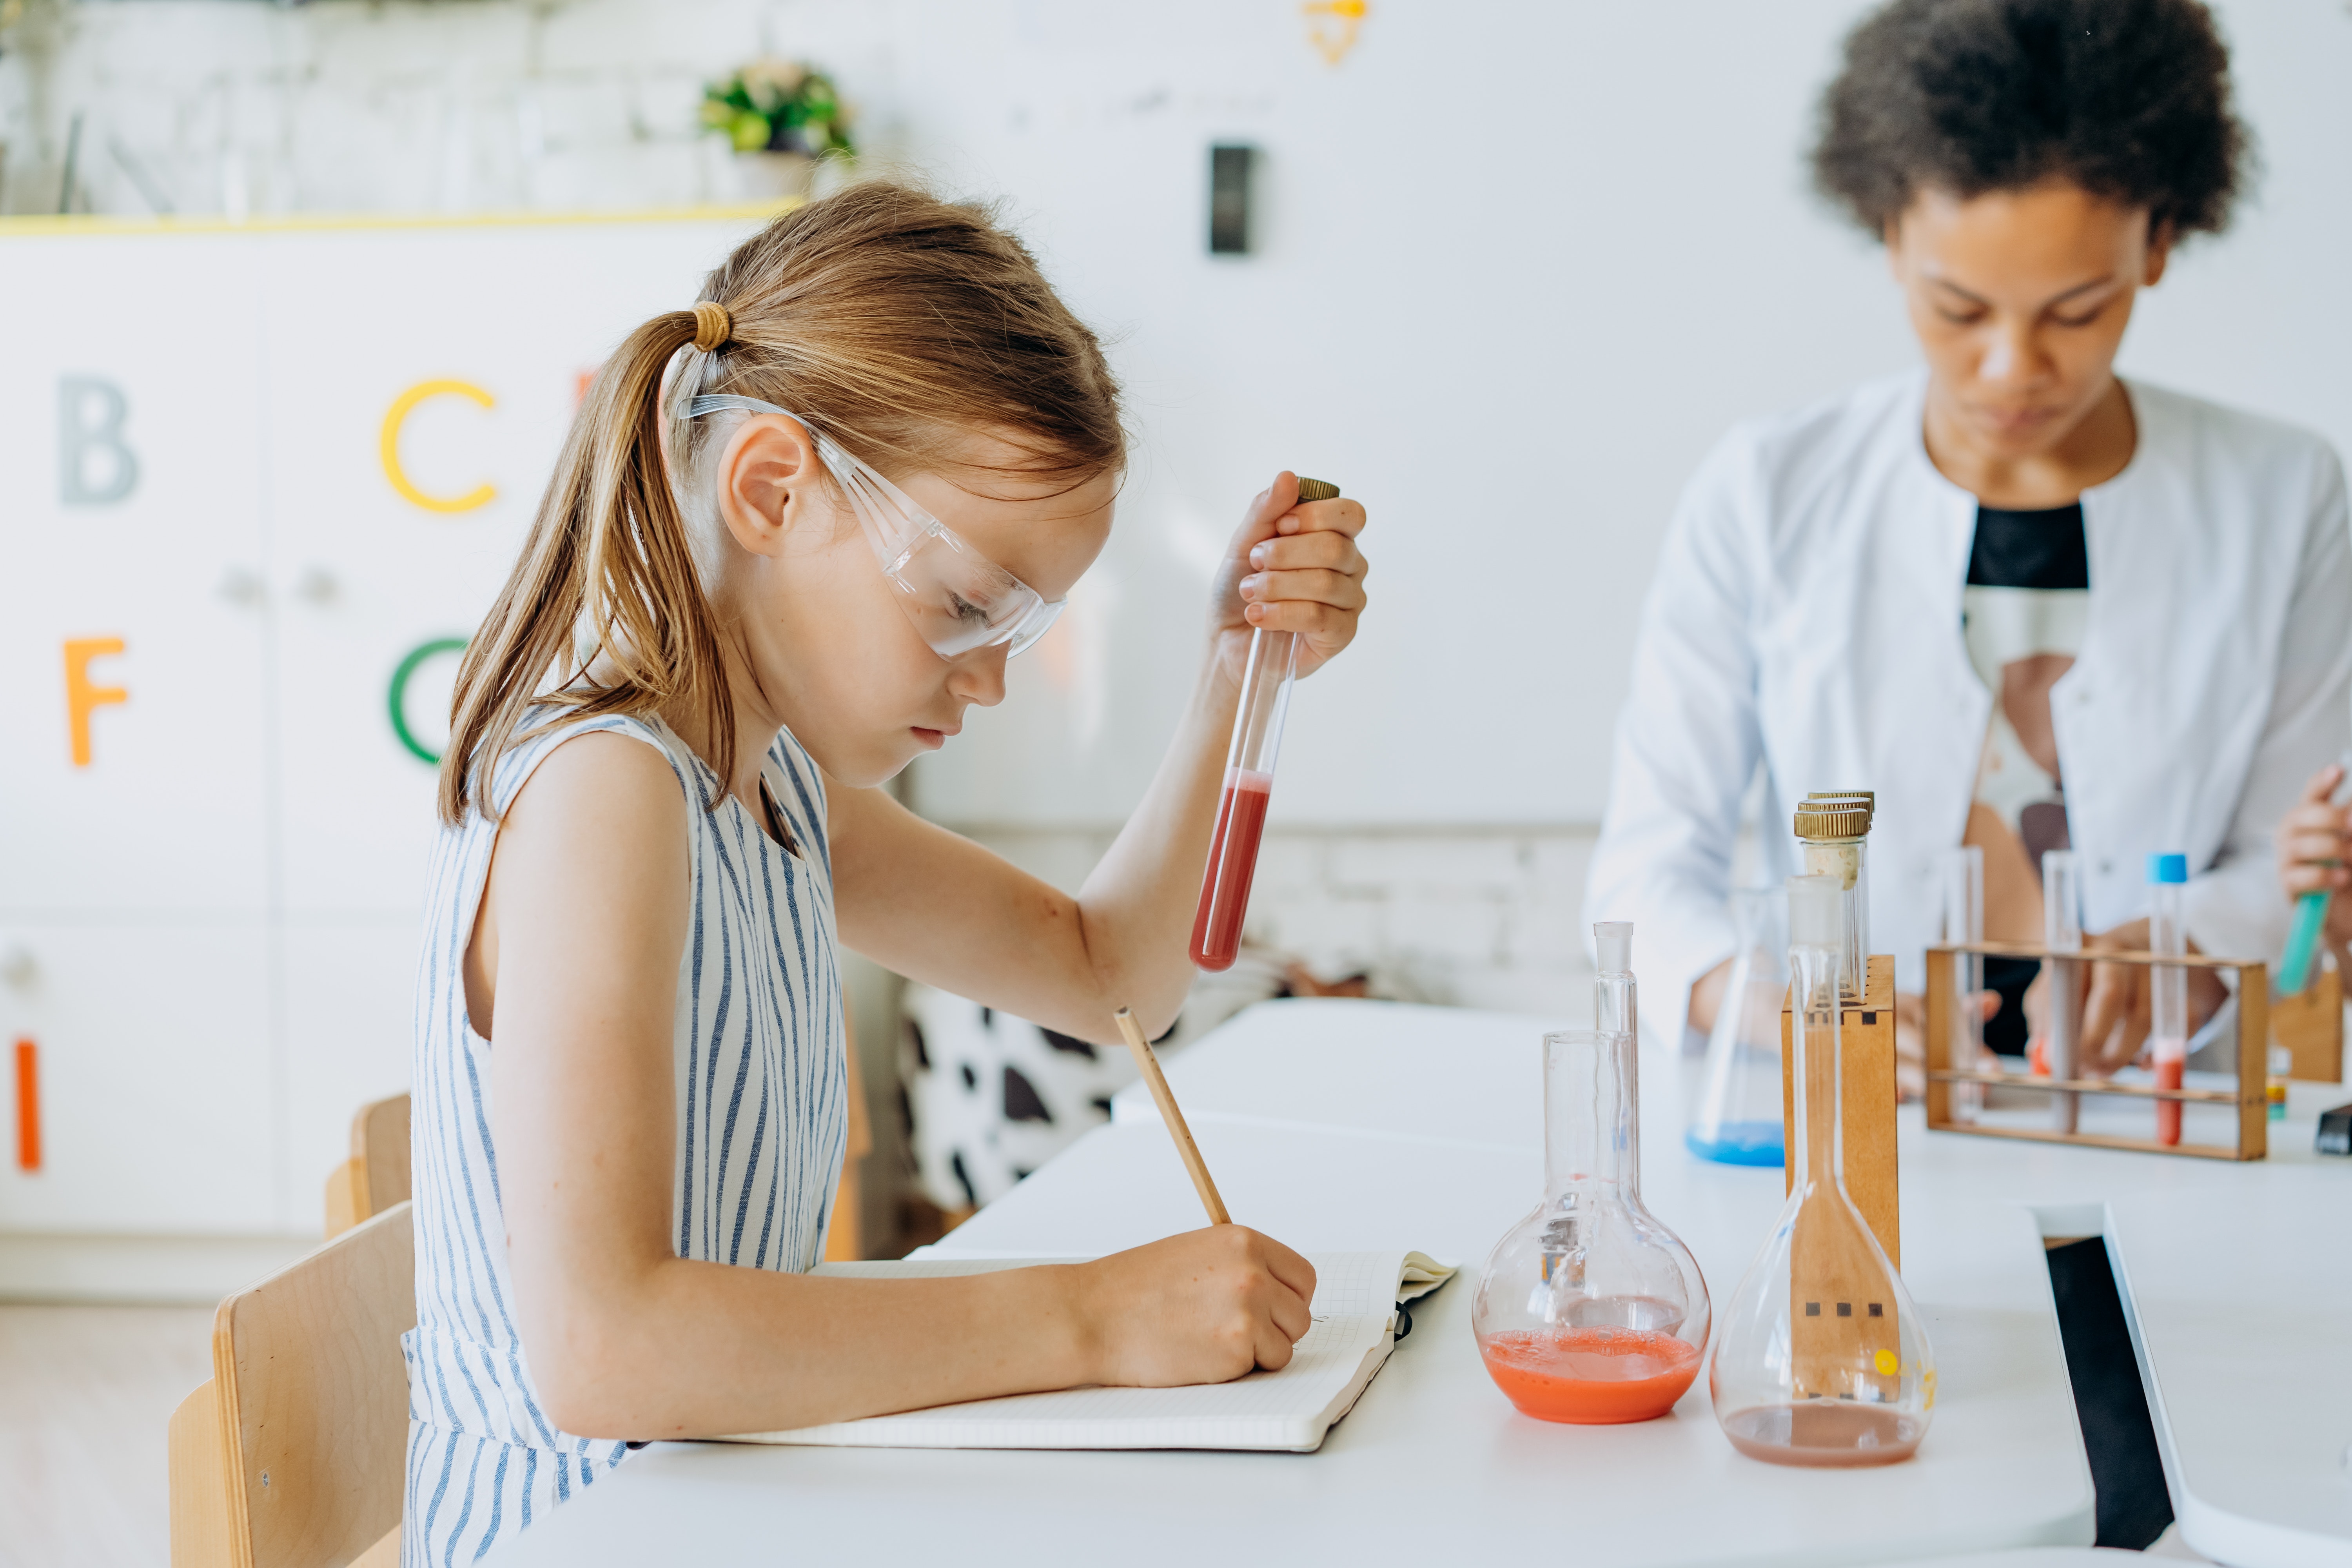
[712, 326]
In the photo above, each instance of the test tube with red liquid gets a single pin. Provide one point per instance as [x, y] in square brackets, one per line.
[2167, 986]
[1249, 784]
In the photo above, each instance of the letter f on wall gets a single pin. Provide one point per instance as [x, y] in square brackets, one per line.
[82, 697]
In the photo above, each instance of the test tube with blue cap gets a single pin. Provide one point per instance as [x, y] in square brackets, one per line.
[2168, 1037]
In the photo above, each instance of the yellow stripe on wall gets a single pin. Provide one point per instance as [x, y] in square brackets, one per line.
[36, 226]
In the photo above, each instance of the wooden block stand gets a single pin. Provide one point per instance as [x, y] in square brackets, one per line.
[1867, 1095]
[1839, 1321]
[2253, 1035]
[2311, 1028]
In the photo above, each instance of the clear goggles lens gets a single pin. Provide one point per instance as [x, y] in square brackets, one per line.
[956, 599]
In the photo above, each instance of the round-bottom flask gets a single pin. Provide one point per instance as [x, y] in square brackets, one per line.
[1590, 1309]
[1822, 1359]
[1737, 1117]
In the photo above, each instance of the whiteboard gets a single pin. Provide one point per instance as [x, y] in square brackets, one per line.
[1521, 265]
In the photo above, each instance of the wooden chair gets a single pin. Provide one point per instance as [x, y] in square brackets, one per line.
[376, 1175]
[294, 1455]
[845, 1235]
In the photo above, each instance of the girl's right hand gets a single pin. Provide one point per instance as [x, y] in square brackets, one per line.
[1205, 1306]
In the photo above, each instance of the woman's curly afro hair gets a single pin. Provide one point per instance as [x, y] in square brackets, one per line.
[2127, 99]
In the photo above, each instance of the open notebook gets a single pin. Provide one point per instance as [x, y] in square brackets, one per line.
[1355, 1312]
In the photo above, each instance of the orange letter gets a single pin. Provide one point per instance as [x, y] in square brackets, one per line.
[81, 696]
[29, 1106]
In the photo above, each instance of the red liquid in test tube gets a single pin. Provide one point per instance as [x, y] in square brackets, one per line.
[1233, 864]
[1249, 785]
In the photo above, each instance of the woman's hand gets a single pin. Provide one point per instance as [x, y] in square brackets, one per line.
[2314, 850]
[1290, 568]
[2117, 1006]
[1203, 1307]
[1911, 1042]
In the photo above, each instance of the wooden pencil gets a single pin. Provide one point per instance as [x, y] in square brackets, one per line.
[1191, 1152]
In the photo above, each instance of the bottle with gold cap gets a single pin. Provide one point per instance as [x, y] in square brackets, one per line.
[1833, 831]
[1267, 681]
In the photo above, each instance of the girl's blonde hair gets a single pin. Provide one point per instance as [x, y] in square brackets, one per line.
[898, 322]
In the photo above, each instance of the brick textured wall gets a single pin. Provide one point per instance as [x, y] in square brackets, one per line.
[228, 106]
[1475, 916]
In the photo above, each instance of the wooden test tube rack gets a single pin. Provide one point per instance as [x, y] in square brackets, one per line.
[2247, 1096]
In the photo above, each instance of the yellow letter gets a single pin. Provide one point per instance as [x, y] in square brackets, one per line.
[81, 696]
[402, 406]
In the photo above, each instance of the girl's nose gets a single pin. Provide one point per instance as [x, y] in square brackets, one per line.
[979, 677]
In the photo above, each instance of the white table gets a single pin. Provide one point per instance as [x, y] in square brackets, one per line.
[1433, 1458]
[2238, 1278]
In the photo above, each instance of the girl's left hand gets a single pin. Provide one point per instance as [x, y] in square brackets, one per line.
[1290, 568]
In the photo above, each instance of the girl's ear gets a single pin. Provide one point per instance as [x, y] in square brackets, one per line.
[769, 464]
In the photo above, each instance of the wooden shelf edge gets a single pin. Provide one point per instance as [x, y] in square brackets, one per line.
[2084, 1086]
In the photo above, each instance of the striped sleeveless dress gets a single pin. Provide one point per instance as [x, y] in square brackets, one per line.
[762, 1125]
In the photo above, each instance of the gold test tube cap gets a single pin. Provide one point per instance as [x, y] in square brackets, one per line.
[1316, 489]
[1820, 820]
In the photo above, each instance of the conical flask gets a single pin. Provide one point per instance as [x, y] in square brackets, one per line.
[1591, 1311]
[1822, 1359]
[1736, 1116]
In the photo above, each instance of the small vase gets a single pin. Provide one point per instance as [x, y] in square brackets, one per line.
[1591, 1311]
[762, 177]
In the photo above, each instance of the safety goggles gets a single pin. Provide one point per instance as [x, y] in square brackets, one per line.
[958, 599]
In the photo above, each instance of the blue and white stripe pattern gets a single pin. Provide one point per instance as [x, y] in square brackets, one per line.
[762, 1128]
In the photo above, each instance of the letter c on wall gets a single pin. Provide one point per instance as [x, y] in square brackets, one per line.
[405, 405]
[397, 698]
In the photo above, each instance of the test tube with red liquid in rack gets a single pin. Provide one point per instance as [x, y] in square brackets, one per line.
[1249, 784]
[2167, 986]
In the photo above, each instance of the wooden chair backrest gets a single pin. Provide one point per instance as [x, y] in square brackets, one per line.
[313, 1399]
[376, 1175]
[845, 1235]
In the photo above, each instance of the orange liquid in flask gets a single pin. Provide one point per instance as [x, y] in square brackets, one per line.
[1592, 1377]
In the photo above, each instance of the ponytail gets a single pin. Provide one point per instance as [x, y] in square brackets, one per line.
[607, 574]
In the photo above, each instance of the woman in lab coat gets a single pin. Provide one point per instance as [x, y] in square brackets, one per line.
[2029, 604]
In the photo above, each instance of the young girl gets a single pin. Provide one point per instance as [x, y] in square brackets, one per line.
[726, 628]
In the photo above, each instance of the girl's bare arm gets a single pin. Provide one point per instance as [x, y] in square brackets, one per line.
[938, 908]
[572, 975]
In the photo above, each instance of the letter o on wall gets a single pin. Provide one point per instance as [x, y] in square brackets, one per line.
[402, 407]
[396, 700]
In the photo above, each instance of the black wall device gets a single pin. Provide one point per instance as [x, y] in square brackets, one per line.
[1230, 168]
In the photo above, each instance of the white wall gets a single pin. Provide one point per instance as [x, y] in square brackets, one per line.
[1522, 261]
[1511, 321]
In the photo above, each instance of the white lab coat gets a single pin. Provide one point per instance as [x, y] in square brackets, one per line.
[1806, 612]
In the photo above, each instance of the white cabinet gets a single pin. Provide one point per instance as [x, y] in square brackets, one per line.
[277, 467]
[131, 520]
[157, 1093]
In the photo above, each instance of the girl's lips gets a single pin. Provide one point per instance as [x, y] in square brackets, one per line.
[933, 739]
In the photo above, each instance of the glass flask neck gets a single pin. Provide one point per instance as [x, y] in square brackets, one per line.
[1592, 1138]
[1818, 1151]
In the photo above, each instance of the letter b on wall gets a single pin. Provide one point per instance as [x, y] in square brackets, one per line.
[95, 465]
